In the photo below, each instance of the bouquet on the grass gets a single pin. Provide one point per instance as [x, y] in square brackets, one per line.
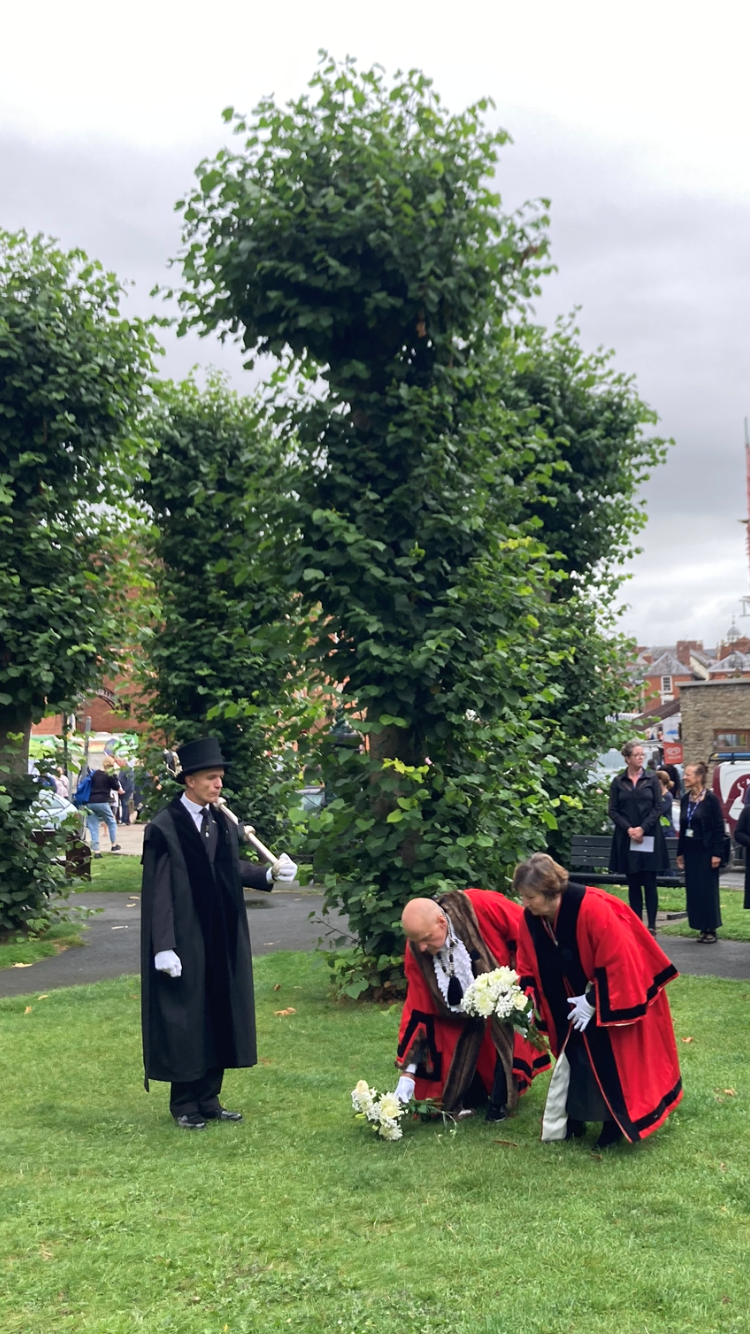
[498, 993]
[383, 1111]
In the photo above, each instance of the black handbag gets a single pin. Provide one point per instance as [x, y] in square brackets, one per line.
[726, 851]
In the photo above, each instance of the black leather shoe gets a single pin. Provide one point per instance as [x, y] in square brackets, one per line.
[496, 1112]
[576, 1129]
[190, 1122]
[223, 1115]
[611, 1134]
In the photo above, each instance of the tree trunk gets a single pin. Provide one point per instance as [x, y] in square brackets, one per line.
[15, 733]
[397, 743]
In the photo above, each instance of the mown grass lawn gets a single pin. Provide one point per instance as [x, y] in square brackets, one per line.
[735, 918]
[112, 1220]
[116, 872]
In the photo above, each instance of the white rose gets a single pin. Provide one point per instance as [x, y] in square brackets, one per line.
[390, 1131]
[390, 1107]
[520, 1001]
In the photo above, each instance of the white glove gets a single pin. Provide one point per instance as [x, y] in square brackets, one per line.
[405, 1088]
[166, 961]
[284, 870]
[580, 1012]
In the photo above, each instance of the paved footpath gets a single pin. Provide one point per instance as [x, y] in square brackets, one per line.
[280, 921]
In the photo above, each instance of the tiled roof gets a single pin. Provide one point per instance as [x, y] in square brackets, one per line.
[668, 665]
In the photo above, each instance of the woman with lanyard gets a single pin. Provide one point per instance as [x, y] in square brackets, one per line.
[638, 848]
[699, 849]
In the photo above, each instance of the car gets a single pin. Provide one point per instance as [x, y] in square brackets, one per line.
[52, 810]
[611, 762]
[312, 799]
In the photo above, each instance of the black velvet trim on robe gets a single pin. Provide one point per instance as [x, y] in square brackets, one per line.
[421, 1050]
[562, 975]
[204, 1019]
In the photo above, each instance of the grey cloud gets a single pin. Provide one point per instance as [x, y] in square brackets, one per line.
[662, 275]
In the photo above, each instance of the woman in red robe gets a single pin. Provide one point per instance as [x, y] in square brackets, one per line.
[443, 1054]
[598, 978]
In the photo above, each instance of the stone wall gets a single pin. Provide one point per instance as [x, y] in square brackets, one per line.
[708, 707]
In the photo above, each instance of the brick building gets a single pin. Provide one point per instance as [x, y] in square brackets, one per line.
[110, 710]
[663, 671]
[715, 716]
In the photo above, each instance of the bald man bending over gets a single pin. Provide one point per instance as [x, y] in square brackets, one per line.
[443, 1054]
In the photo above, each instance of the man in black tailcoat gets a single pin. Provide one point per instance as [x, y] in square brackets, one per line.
[197, 1001]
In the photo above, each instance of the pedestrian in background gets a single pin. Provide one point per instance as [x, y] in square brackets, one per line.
[699, 849]
[104, 784]
[667, 802]
[742, 836]
[62, 786]
[127, 784]
[638, 848]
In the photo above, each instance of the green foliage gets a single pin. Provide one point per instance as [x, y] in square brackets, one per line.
[33, 884]
[52, 749]
[589, 422]
[72, 378]
[219, 658]
[356, 229]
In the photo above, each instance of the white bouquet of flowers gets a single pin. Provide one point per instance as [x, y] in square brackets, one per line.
[498, 993]
[382, 1111]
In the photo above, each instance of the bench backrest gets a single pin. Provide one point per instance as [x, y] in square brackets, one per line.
[590, 852]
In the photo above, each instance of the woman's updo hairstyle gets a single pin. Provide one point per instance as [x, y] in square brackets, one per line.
[540, 875]
[700, 769]
[629, 747]
[664, 778]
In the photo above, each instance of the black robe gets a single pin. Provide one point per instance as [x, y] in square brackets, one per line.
[204, 1019]
[742, 836]
[630, 807]
[701, 878]
[624, 1066]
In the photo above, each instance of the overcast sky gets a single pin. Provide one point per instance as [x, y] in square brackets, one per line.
[632, 117]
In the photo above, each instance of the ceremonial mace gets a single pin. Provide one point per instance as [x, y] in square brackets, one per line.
[249, 832]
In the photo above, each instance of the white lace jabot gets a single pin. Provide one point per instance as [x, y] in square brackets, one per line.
[461, 965]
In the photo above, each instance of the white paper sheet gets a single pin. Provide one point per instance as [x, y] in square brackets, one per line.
[646, 844]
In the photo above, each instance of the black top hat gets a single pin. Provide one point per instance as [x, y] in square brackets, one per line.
[197, 755]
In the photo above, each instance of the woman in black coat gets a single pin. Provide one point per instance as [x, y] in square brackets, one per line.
[699, 848]
[742, 836]
[635, 804]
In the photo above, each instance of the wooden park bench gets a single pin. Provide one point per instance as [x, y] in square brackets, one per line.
[590, 853]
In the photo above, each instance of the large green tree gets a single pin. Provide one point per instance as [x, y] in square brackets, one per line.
[73, 372]
[356, 233]
[438, 449]
[220, 653]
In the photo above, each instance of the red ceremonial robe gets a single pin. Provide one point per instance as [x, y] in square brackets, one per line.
[429, 1032]
[630, 1041]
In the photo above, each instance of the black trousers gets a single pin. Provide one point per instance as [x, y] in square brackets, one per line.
[648, 880]
[197, 1097]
